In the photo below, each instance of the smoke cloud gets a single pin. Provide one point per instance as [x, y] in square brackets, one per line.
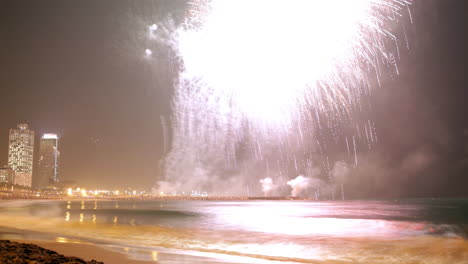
[267, 185]
[298, 185]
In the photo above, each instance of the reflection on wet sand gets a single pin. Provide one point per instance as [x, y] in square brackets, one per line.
[68, 240]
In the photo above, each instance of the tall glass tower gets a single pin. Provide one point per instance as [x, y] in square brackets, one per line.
[48, 160]
[20, 154]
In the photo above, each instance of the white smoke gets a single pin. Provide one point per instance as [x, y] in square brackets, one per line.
[165, 188]
[298, 185]
[267, 185]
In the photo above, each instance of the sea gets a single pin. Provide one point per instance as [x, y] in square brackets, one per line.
[426, 231]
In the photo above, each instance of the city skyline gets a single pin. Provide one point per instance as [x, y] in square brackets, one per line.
[21, 168]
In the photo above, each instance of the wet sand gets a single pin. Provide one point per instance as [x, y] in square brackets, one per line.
[90, 252]
[87, 252]
[99, 251]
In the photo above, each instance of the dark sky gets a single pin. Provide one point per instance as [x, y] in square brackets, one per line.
[76, 68]
[73, 68]
[421, 113]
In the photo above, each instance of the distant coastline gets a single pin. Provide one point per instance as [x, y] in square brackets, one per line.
[7, 195]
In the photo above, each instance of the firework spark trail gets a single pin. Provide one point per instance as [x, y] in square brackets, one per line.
[257, 75]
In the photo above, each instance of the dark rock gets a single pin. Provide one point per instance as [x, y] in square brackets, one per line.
[22, 253]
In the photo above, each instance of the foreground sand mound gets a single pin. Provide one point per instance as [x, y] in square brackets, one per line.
[22, 253]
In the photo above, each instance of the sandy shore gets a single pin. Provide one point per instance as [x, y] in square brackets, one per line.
[90, 252]
[87, 252]
[101, 251]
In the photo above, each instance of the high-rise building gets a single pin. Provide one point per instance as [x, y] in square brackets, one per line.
[6, 175]
[20, 154]
[48, 160]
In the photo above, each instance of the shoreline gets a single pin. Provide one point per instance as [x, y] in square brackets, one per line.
[93, 252]
[150, 198]
[101, 251]
[156, 236]
[87, 252]
[68, 246]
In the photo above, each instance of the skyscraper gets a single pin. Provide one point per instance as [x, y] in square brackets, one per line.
[20, 154]
[48, 160]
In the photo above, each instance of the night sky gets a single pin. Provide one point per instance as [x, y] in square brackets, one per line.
[77, 68]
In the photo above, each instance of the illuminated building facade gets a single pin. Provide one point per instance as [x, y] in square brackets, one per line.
[7, 175]
[20, 154]
[48, 160]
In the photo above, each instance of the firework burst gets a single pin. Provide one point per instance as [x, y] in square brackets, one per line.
[270, 59]
[256, 70]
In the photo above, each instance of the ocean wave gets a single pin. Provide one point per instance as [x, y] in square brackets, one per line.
[279, 231]
[414, 249]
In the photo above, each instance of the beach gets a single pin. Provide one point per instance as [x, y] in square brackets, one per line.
[89, 253]
[247, 231]
[92, 253]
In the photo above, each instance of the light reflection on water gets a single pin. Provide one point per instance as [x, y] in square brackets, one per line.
[273, 218]
[154, 255]
[60, 239]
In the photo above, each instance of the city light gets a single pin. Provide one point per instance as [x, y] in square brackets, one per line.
[49, 136]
